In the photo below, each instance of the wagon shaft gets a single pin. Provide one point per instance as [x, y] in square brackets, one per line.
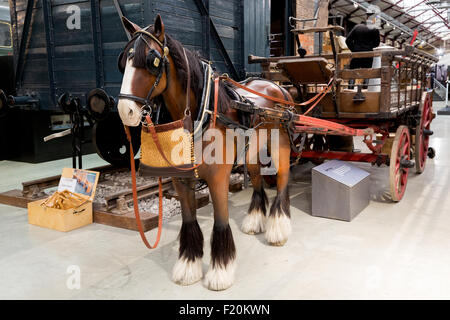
[301, 123]
[321, 126]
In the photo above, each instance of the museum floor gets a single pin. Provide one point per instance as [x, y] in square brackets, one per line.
[389, 251]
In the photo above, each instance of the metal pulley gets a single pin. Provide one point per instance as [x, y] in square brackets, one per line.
[99, 104]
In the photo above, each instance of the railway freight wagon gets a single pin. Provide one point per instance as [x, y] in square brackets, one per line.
[65, 49]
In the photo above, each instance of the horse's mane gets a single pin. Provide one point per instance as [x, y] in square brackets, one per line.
[195, 66]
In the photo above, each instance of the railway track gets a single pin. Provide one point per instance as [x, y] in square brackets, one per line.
[115, 208]
[120, 200]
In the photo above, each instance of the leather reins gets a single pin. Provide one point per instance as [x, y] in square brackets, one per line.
[135, 199]
[319, 96]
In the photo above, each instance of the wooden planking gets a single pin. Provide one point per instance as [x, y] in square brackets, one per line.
[67, 73]
[74, 55]
[256, 29]
[16, 198]
[348, 108]
[306, 70]
[370, 105]
[126, 221]
[360, 73]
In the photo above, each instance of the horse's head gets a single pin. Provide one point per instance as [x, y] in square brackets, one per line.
[143, 64]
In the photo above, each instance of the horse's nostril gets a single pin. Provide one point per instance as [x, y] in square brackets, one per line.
[130, 112]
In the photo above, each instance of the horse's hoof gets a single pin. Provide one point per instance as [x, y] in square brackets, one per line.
[278, 229]
[254, 223]
[187, 272]
[278, 244]
[219, 277]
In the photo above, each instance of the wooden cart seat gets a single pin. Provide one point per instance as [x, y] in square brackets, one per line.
[306, 70]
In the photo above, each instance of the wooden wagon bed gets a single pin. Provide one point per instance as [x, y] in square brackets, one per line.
[393, 89]
[392, 110]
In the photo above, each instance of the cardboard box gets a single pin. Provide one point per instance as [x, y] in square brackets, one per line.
[81, 182]
[339, 190]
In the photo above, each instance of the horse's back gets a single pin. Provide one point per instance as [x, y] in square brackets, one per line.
[265, 87]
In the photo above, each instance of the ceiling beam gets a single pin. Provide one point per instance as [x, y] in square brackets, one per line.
[437, 12]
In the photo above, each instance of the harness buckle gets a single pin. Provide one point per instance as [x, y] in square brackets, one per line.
[146, 110]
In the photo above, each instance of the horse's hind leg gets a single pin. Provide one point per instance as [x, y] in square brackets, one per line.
[220, 275]
[188, 268]
[255, 221]
[278, 226]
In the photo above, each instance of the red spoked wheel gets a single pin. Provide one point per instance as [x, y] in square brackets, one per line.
[400, 163]
[423, 132]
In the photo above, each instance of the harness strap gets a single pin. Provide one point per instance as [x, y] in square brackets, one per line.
[187, 110]
[135, 199]
[153, 37]
[205, 102]
[216, 100]
[323, 93]
[132, 97]
[282, 101]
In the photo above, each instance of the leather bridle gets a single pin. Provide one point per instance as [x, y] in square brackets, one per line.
[161, 65]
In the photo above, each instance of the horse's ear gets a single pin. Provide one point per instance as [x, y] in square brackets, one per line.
[159, 28]
[130, 26]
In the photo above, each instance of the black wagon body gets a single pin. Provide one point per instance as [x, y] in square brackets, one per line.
[66, 55]
[71, 47]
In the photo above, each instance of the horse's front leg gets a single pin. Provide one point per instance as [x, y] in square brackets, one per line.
[188, 268]
[220, 275]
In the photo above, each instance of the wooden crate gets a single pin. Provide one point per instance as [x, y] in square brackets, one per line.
[61, 220]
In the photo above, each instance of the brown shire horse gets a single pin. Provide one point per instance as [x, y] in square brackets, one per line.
[138, 81]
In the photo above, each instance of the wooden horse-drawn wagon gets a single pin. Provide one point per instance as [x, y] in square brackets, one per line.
[326, 106]
[394, 107]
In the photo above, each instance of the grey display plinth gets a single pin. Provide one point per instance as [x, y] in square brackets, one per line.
[339, 190]
[444, 111]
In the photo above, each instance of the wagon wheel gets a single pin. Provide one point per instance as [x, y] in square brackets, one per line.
[317, 142]
[111, 142]
[423, 132]
[3, 104]
[400, 163]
